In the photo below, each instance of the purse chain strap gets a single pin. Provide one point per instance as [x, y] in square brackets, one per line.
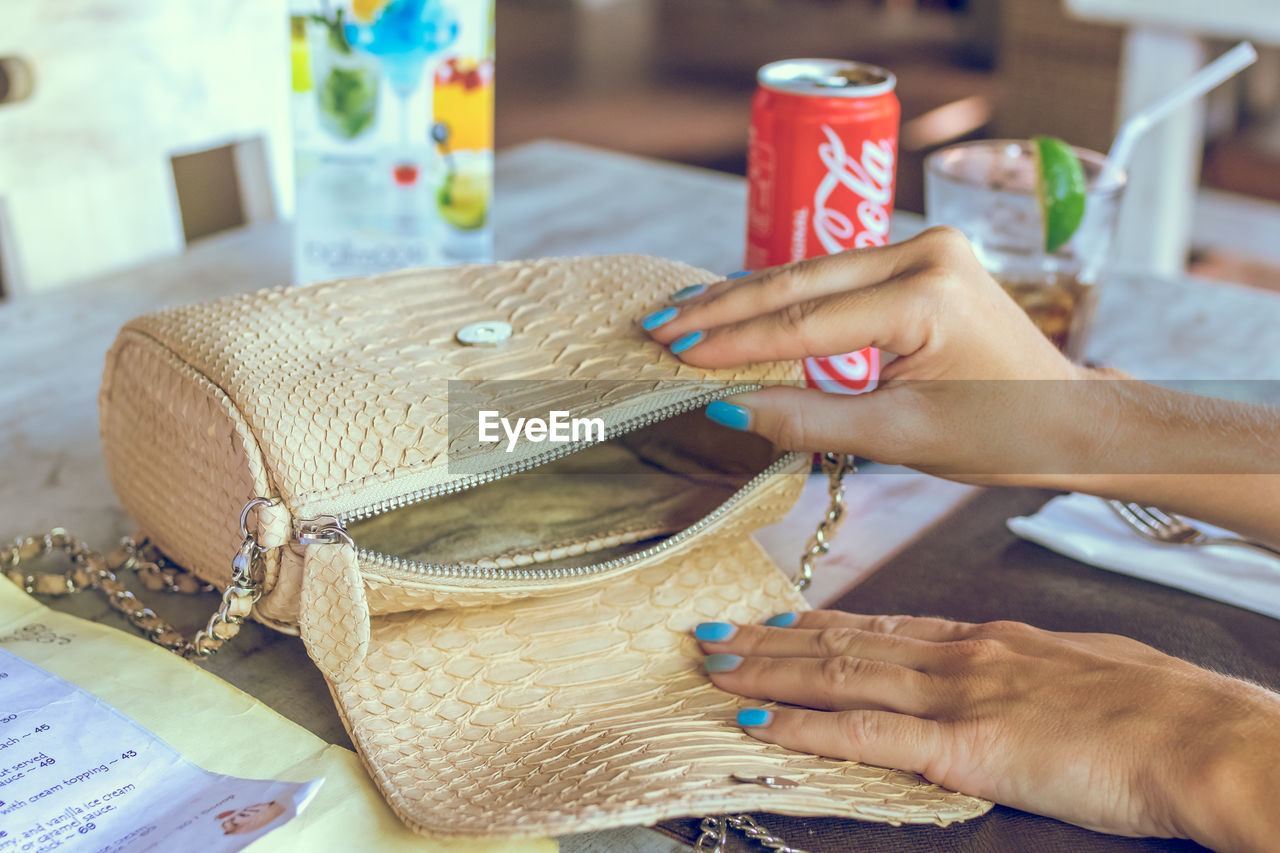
[715, 834]
[92, 570]
[835, 466]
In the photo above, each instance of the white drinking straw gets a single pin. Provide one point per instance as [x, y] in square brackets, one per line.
[1228, 65]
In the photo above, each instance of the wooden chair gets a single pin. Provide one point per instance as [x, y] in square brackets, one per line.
[148, 123]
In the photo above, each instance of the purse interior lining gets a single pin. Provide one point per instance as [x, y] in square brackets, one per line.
[601, 503]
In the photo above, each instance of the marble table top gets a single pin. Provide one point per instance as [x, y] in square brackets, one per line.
[552, 199]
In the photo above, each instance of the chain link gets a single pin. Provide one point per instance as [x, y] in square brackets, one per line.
[835, 466]
[715, 834]
[91, 570]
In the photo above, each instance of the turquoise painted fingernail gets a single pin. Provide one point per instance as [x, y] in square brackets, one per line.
[682, 344]
[715, 632]
[658, 318]
[754, 717]
[727, 414]
[739, 274]
[782, 620]
[721, 663]
[688, 292]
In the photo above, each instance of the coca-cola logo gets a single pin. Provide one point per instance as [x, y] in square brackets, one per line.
[869, 178]
[852, 373]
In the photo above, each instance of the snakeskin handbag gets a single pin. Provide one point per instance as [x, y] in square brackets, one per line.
[505, 629]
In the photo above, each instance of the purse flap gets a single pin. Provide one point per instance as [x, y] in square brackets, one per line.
[588, 710]
[345, 385]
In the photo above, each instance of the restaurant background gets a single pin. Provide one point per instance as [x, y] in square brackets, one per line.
[148, 125]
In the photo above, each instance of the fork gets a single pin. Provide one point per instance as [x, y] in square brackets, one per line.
[1159, 526]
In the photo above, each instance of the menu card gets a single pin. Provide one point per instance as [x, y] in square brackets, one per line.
[77, 775]
[215, 726]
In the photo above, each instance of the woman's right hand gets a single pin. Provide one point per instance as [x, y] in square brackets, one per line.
[976, 392]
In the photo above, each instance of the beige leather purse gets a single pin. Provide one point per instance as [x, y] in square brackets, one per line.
[506, 634]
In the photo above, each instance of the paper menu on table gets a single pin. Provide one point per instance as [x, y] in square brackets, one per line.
[222, 729]
[77, 775]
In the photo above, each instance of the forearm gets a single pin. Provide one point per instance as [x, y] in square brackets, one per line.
[1212, 459]
[1228, 798]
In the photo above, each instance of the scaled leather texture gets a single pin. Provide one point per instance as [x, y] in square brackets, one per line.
[333, 396]
[513, 707]
[589, 710]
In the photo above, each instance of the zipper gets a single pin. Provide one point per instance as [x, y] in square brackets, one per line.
[333, 528]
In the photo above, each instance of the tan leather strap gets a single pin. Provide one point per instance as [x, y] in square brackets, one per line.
[334, 621]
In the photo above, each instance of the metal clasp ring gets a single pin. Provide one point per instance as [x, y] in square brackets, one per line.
[244, 514]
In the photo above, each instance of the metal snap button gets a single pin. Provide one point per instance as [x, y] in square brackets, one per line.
[483, 334]
[777, 782]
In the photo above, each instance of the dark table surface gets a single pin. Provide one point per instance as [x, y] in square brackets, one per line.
[971, 568]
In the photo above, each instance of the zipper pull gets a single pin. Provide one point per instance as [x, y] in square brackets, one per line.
[322, 530]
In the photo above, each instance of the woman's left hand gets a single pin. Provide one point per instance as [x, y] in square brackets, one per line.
[1094, 729]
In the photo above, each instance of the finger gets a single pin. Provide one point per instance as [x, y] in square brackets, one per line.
[738, 299]
[898, 309]
[919, 627]
[886, 425]
[872, 737]
[695, 294]
[833, 683]
[880, 315]
[750, 641]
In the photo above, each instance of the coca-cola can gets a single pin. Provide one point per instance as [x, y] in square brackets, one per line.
[822, 156]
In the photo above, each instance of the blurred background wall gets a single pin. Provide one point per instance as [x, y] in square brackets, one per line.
[138, 111]
[138, 126]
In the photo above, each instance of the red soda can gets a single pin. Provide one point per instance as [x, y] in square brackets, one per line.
[821, 160]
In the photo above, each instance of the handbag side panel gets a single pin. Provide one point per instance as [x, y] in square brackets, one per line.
[182, 461]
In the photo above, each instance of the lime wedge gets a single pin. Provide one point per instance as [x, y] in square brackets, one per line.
[1061, 189]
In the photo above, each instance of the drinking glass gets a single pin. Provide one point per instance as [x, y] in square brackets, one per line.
[987, 189]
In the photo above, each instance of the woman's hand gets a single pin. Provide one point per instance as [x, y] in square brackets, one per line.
[976, 393]
[959, 338]
[926, 300]
[1094, 729]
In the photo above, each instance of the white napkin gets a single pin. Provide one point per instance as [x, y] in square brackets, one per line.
[1084, 528]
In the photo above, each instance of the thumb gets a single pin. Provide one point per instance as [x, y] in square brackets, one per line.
[810, 420]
